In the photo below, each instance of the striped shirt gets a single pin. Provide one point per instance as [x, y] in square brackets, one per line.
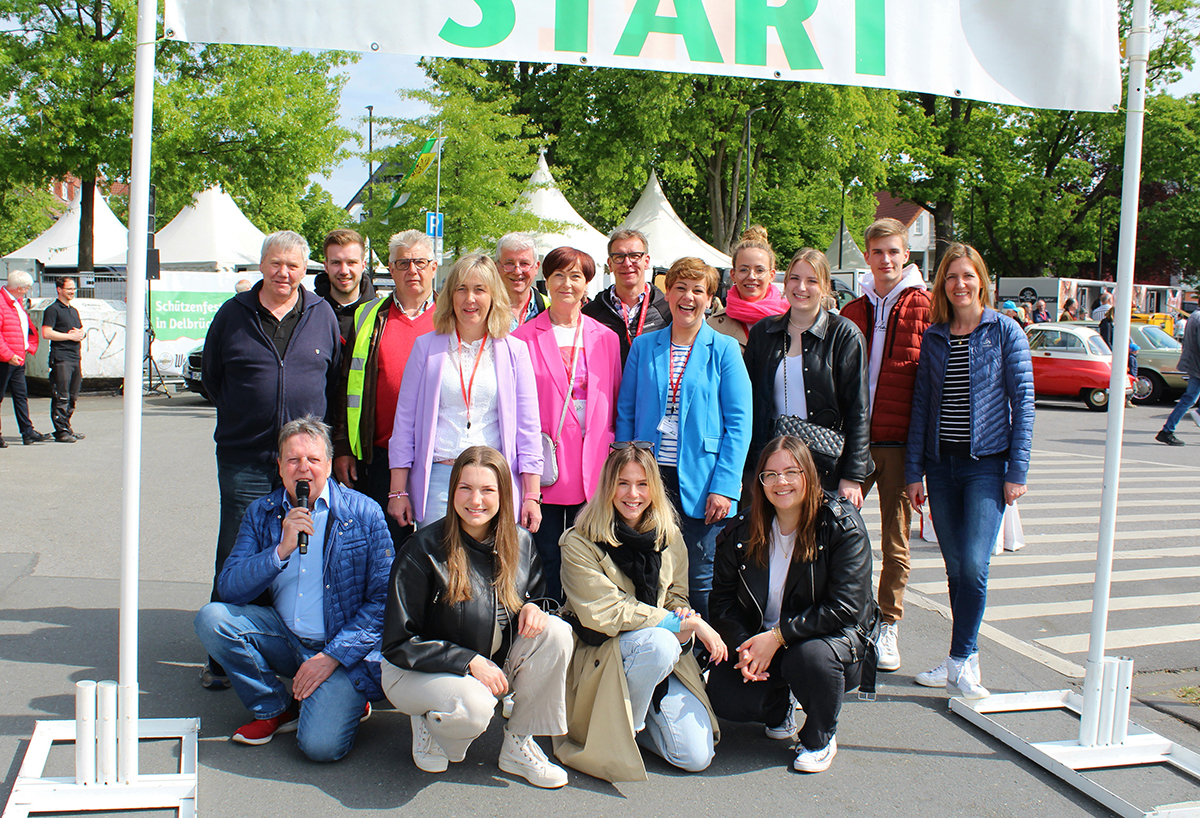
[956, 395]
[668, 447]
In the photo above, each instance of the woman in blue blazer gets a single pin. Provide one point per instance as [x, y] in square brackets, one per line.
[685, 391]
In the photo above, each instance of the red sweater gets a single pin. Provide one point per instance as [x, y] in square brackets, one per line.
[902, 348]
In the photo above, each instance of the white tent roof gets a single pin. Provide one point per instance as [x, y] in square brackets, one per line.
[669, 237]
[544, 199]
[59, 245]
[851, 257]
[209, 234]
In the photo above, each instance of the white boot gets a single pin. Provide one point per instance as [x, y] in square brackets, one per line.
[521, 755]
[964, 675]
[936, 676]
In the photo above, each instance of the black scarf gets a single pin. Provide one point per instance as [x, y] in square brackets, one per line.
[639, 559]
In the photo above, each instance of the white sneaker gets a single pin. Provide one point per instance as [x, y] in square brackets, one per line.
[521, 755]
[889, 650]
[936, 676]
[964, 676]
[787, 728]
[428, 755]
[506, 706]
[815, 761]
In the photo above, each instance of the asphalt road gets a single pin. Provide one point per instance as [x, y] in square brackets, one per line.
[904, 754]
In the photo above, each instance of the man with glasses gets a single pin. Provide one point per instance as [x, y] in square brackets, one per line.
[377, 348]
[63, 328]
[632, 306]
[516, 256]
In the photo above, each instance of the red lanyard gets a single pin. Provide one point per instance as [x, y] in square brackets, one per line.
[676, 382]
[524, 308]
[641, 315]
[468, 387]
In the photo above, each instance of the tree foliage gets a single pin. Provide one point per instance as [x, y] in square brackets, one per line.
[25, 213]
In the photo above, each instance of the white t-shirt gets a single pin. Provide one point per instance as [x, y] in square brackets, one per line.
[782, 546]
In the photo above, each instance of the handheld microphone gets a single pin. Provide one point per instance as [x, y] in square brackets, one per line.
[302, 501]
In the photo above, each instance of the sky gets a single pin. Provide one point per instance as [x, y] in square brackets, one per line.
[375, 79]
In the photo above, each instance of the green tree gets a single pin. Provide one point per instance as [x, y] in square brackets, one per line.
[25, 213]
[321, 216]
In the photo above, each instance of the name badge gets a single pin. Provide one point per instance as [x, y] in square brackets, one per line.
[669, 426]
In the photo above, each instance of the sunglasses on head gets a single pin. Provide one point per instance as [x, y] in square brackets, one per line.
[644, 445]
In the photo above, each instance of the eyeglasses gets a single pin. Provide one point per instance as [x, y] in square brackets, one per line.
[757, 272]
[770, 478]
[619, 258]
[419, 263]
[510, 266]
[644, 445]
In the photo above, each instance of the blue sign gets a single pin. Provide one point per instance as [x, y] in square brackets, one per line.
[434, 223]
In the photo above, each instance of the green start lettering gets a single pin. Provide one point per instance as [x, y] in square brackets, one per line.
[499, 19]
[870, 38]
[753, 18]
[690, 22]
[571, 25]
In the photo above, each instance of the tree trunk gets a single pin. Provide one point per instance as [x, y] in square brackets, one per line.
[943, 229]
[87, 220]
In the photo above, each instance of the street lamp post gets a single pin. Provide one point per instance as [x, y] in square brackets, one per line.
[749, 114]
[370, 155]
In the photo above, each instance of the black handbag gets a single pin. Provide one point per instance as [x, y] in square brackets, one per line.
[825, 444]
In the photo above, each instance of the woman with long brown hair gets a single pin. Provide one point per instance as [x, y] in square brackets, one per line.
[792, 592]
[461, 630]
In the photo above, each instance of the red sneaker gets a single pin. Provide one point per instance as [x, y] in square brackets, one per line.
[260, 731]
[366, 713]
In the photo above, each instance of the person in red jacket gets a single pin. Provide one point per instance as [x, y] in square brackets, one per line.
[18, 340]
[892, 313]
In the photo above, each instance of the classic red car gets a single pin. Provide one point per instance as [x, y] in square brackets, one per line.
[1071, 361]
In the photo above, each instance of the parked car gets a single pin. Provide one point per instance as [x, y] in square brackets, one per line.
[1071, 361]
[191, 372]
[1158, 377]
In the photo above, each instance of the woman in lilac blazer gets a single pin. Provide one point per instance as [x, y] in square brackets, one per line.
[560, 340]
[466, 384]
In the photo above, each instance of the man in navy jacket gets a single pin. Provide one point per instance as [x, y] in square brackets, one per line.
[324, 618]
[271, 355]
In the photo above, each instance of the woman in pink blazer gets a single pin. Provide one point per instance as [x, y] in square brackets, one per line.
[465, 384]
[560, 340]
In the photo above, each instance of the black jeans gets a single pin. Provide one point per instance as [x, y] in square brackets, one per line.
[65, 380]
[375, 481]
[555, 520]
[14, 377]
[812, 670]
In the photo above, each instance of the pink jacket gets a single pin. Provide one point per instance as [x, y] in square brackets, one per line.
[411, 446]
[580, 454]
[11, 342]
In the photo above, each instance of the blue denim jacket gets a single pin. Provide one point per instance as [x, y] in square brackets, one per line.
[1001, 396]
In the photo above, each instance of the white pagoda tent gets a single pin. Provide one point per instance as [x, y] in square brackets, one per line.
[843, 252]
[544, 199]
[59, 245]
[669, 237]
[210, 234]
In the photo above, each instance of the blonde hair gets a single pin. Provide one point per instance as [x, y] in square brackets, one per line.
[816, 259]
[690, 268]
[597, 522]
[503, 527]
[499, 315]
[940, 311]
[755, 238]
[881, 229]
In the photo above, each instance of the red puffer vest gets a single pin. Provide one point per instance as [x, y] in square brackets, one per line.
[902, 348]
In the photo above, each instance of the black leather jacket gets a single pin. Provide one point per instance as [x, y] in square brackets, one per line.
[423, 633]
[835, 388]
[830, 597]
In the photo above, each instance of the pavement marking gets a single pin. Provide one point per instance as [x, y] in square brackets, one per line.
[1121, 518]
[1093, 536]
[1128, 638]
[1010, 559]
[1053, 580]
[1035, 470]
[1122, 491]
[1044, 657]
[999, 613]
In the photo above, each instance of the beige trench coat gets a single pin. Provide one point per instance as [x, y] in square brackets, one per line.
[725, 325]
[600, 738]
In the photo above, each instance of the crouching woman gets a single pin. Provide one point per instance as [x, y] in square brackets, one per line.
[461, 630]
[792, 592]
[632, 680]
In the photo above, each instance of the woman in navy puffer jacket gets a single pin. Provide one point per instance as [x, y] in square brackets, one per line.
[971, 431]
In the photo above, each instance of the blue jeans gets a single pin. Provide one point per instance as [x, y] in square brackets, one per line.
[437, 494]
[254, 645]
[240, 485]
[966, 503]
[701, 541]
[1186, 401]
[678, 728]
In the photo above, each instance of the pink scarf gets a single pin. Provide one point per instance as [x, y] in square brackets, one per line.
[750, 313]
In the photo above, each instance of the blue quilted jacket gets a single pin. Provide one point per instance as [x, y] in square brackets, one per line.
[358, 561]
[1001, 396]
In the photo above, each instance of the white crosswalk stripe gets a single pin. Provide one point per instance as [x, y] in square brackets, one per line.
[1040, 598]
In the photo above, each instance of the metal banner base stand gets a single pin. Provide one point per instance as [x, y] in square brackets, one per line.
[1106, 738]
[1066, 758]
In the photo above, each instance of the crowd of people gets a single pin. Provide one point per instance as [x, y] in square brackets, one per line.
[617, 519]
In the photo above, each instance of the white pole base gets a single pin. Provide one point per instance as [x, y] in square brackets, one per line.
[35, 793]
[1066, 758]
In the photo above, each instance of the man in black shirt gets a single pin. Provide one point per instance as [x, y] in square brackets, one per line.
[62, 327]
[632, 306]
